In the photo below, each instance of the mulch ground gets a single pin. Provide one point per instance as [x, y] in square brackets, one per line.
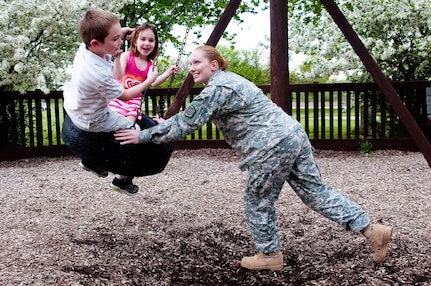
[62, 225]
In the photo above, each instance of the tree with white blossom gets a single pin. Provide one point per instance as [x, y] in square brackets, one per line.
[397, 34]
[40, 38]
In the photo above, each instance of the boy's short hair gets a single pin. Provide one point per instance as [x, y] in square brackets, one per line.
[95, 24]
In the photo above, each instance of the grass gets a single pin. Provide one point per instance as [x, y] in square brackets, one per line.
[202, 134]
[46, 127]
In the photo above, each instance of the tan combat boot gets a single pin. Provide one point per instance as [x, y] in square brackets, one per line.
[378, 237]
[264, 261]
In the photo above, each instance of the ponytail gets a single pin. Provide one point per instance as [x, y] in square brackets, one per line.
[213, 55]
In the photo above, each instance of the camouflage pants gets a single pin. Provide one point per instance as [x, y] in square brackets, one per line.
[292, 161]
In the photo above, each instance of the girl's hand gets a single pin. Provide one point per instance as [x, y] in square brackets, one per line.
[174, 69]
[117, 54]
[126, 33]
[152, 73]
[127, 136]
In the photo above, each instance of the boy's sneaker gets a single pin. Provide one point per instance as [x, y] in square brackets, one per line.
[262, 261]
[124, 186]
[95, 170]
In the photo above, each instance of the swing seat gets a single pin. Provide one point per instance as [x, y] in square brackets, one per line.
[100, 149]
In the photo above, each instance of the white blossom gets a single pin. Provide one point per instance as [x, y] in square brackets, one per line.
[37, 40]
[19, 67]
[393, 32]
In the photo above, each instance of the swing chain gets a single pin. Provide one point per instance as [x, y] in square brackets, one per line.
[167, 24]
[155, 62]
[162, 102]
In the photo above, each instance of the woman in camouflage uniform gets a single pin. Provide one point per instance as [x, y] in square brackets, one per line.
[274, 148]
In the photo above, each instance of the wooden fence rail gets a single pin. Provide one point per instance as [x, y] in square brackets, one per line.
[335, 116]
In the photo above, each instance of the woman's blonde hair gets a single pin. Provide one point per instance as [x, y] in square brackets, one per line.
[213, 55]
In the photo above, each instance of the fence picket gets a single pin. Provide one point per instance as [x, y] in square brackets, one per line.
[336, 116]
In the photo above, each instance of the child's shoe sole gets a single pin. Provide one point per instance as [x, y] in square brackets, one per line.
[119, 189]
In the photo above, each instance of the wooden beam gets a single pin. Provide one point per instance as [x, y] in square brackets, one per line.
[380, 79]
[215, 36]
[279, 56]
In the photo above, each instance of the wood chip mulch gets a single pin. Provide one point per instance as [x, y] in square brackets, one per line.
[61, 225]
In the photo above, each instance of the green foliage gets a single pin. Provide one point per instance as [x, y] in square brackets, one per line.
[365, 147]
[397, 34]
[165, 15]
[307, 11]
[40, 38]
[247, 63]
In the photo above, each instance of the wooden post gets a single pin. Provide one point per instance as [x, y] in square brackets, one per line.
[279, 55]
[215, 36]
[382, 82]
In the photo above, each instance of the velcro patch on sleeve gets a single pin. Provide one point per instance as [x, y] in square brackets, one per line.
[190, 111]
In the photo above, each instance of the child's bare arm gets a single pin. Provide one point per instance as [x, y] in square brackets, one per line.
[139, 88]
[158, 119]
[164, 76]
[120, 65]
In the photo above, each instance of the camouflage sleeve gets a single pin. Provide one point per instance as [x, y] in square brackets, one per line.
[144, 136]
[200, 111]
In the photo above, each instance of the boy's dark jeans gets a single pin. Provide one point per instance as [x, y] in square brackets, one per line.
[102, 150]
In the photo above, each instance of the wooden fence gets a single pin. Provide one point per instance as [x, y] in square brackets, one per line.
[335, 116]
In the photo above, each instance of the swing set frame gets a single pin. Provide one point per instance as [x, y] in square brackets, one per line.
[280, 93]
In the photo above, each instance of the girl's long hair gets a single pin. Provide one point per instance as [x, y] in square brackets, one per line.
[133, 48]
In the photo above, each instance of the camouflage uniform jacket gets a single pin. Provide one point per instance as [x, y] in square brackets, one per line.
[250, 122]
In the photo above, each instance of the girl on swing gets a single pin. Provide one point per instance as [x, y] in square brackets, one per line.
[89, 123]
[130, 69]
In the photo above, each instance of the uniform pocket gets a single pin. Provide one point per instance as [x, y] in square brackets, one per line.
[261, 180]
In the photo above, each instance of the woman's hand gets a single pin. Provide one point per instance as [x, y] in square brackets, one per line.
[127, 136]
[158, 119]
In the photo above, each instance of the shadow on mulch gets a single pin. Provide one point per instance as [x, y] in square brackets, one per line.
[210, 256]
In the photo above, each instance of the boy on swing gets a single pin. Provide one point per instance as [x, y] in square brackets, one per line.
[93, 86]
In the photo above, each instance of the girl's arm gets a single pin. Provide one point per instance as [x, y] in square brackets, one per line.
[121, 58]
[164, 76]
[120, 65]
[139, 88]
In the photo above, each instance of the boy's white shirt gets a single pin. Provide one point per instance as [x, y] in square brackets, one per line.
[87, 94]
